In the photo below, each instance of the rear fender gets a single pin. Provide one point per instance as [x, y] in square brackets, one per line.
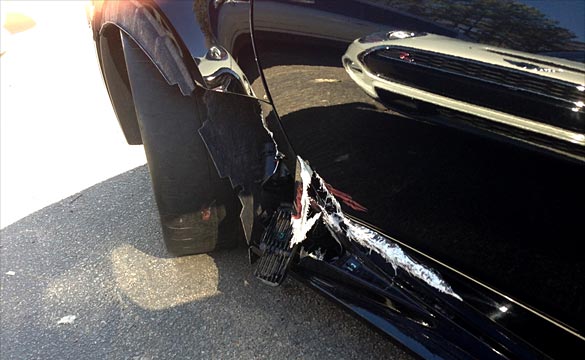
[190, 43]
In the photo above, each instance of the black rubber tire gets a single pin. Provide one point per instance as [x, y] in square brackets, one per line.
[199, 212]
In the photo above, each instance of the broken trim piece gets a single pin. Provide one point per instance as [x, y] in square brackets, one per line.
[337, 223]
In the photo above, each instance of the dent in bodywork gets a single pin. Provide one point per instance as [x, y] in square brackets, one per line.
[314, 194]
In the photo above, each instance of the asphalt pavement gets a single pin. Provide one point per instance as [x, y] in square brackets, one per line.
[96, 256]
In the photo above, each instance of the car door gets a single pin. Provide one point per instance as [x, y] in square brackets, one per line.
[457, 126]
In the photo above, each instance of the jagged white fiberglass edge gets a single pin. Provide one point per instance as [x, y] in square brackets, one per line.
[337, 223]
[302, 224]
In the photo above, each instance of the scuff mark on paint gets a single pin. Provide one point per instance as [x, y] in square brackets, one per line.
[317, 254]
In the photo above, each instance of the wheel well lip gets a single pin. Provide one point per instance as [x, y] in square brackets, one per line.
[116, 82]
[160, 44]
[155, 37]
[106, 25]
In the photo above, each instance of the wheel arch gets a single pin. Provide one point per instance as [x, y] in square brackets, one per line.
[147, 26]
[179, 40]
[115, 74]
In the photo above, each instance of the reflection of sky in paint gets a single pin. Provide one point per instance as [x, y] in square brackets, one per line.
[569, 13]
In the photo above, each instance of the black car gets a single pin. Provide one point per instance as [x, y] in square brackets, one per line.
[418, 162]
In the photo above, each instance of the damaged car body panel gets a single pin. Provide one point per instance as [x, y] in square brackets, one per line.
[323, 116]
[337, 224]
[193, 44]
[467, 209]
[426, 305]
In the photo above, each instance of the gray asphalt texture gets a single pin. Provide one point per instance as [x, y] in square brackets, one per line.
[97, 255]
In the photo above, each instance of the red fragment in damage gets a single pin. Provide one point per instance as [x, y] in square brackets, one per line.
[206, 214]
[346, 199]
[298, 198]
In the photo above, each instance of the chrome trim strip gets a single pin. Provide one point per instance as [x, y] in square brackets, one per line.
[486, 113]
[451, 72]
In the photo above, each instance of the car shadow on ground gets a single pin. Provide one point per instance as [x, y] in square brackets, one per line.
[97, 255]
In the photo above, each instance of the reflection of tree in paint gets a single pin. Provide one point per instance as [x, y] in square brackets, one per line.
[201, 10]
[504, 23]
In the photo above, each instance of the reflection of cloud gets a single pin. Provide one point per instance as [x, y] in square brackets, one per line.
[17, 22]
[155, 284]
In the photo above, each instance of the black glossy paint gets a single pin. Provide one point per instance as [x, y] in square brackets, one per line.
[506, 216]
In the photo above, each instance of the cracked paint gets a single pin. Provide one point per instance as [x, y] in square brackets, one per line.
[337, 223]
[301, 222]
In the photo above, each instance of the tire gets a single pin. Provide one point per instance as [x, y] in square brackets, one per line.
[199, 212]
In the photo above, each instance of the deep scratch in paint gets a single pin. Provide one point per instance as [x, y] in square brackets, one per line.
[338, 223]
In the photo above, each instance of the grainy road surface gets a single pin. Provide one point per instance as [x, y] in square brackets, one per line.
[95, 255]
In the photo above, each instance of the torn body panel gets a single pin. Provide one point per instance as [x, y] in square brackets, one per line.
[196, 52]
[235, 137]
[237, 143]
[315, 193]
[248, 146]
[424, 304]
[185, 42]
